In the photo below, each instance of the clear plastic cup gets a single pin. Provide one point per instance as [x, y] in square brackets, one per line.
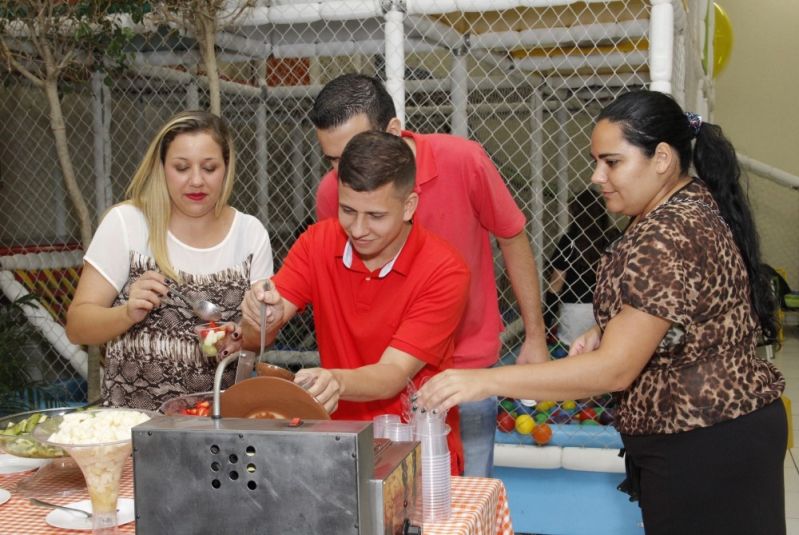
[212, 338]
[399, 432]
[436, 487]
[379, 424]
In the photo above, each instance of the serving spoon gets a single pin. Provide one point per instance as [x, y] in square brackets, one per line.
[205, 310]
[41, 503]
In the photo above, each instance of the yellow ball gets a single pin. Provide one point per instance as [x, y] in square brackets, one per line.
[525, 424]
[569, 405]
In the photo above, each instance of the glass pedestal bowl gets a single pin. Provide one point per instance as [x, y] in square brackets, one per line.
[60, 476]
[183, 405]
[100, 458]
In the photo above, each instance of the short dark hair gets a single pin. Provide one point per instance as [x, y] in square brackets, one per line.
[375, 158]
[349, 95]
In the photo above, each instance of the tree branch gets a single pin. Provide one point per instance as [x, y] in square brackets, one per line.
[19, 67]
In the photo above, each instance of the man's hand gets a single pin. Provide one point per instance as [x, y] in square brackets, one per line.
[532, 352]
[259, 295]
[321, 384]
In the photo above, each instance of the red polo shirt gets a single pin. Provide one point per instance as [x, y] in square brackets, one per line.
[463, 199]
[415, 307]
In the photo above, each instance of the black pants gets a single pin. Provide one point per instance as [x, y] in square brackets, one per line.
[726, 479]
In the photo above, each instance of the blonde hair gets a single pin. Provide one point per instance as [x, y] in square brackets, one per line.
[148, 191]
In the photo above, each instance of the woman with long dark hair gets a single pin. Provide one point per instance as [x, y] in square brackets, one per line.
[680, 301]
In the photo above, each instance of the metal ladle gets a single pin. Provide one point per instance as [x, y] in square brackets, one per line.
[205, 310]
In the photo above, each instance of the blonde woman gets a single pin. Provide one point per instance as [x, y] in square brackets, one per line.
[175, 230]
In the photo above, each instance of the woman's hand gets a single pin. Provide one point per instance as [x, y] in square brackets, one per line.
[588, 341]
[230, 344]
[450, 388]
[321, 384]
[145, 295]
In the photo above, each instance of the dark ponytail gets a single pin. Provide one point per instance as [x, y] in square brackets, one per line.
[717, 165]
[648, 118]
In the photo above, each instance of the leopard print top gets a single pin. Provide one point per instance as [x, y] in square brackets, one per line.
[680, 263]
[159, 358]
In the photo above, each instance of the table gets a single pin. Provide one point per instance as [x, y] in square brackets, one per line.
[479, 507]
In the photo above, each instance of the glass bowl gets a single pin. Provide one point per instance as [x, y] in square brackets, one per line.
[21, 442]
[100, 442]
[178, 406]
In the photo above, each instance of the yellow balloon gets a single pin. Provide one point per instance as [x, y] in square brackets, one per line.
[722, 40]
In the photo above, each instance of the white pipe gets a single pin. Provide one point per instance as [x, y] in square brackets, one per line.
[459, 94]
[562, 170]
[299, 178]
[192, 95]
[41, 319]
[161, 58]
[101, 134]
[545, 37]
[181, 77]
[345, 48]
[262, 154]
[661, 45]
[573, 63]
[243, 45]
[537, 179]
[439, 7]
[261, 160]
[395, 59]
[297, 13]
[432, 30]
[770, 172]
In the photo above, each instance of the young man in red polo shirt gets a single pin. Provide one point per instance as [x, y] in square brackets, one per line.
[463, 199]
[387, 295]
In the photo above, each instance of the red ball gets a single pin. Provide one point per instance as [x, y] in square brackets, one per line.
[505, 422]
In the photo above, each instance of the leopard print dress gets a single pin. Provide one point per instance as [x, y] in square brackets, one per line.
[680, 263]
[160, 358]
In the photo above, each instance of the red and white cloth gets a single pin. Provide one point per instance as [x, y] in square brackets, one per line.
[479, 507]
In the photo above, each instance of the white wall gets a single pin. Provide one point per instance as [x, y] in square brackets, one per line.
[757, 104]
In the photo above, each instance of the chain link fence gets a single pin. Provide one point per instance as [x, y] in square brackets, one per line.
[525, 82]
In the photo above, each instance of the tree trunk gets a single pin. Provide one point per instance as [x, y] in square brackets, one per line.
[62, 149]
[208, 44]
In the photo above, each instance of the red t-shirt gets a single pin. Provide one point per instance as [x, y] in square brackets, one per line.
[463, 199]
[416, 308]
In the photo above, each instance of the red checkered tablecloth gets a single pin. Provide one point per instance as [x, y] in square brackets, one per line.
[479, 507]
[19, 517]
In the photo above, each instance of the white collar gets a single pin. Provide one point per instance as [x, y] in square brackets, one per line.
[385, 270]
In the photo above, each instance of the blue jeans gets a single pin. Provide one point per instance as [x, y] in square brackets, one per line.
[478, 421]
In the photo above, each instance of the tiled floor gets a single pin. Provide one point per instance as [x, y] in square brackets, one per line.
[787, 360]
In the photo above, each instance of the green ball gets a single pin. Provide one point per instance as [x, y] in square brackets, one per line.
[541, 417]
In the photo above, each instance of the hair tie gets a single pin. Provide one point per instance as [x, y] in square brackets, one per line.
[694, 123]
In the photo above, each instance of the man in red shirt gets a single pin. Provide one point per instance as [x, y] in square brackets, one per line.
[387, 295]
[463, 199]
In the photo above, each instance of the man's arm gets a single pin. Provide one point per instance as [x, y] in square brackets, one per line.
[523, 275]
[382, 380]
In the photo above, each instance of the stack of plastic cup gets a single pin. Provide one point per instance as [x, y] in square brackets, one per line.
[379, 424]
[399, 432]
[432, 431]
